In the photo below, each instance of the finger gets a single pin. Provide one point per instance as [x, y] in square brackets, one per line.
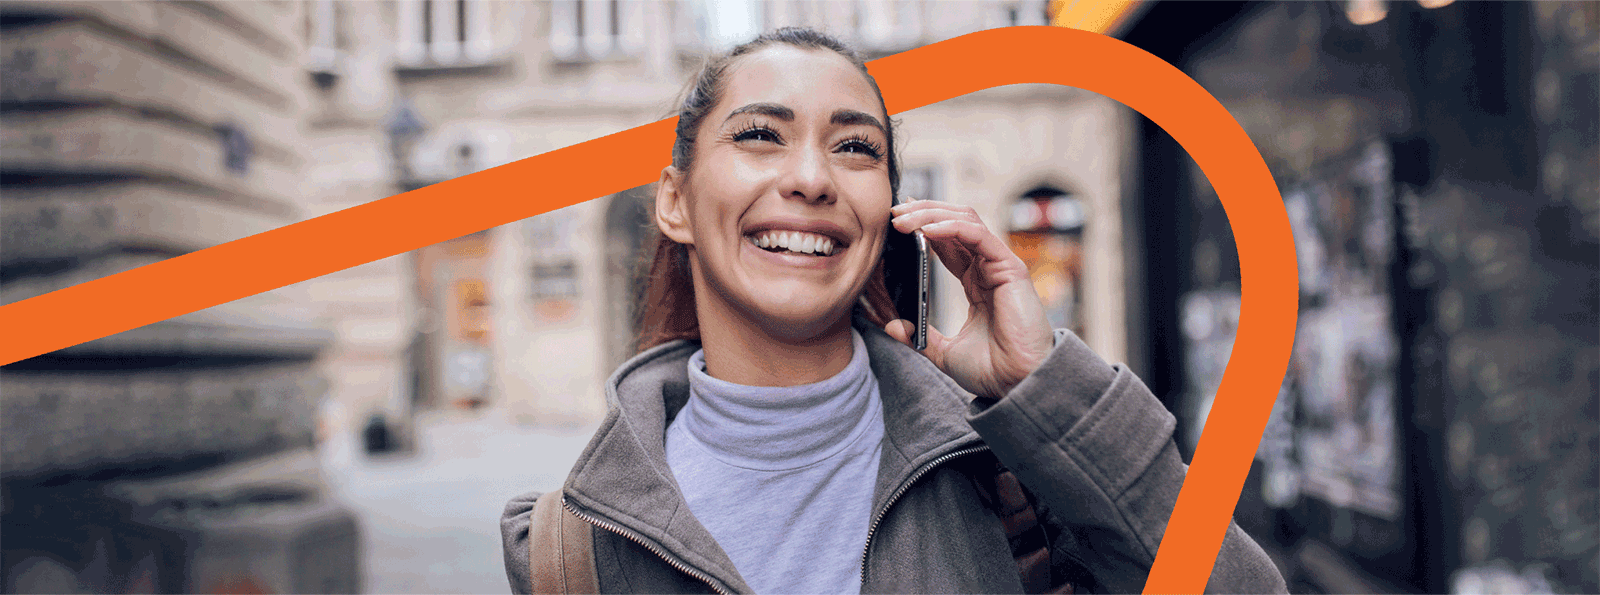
[900, 329]
[912, 206]
[955, 257]
[975, 237]
[911, 221]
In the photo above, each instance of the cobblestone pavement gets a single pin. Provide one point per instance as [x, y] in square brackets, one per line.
[430, 522]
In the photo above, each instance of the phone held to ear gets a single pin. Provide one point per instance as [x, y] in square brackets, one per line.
[906, 272]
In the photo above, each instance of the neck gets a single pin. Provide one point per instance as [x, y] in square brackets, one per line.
[742, 352]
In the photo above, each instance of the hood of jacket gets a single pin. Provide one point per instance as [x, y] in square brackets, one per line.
[622, 476]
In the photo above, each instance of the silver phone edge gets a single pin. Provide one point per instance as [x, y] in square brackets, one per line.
[923, 265]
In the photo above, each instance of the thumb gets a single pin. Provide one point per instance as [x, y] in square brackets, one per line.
[901, 330]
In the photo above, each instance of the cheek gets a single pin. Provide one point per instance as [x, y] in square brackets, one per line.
[749, 172]
[873, 200]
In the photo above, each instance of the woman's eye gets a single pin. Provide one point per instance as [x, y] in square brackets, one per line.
[859, 147]
[757, 134]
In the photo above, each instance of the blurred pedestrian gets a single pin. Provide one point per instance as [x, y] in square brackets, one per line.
[376, 434]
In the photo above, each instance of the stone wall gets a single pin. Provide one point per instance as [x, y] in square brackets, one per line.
[133, 132]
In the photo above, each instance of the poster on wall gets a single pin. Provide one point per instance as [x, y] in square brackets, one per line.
[1333, 434]
[1346, 354]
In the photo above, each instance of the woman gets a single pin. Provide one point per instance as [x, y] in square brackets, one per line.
[777, 434]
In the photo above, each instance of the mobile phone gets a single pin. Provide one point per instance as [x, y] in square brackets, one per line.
[906, 271]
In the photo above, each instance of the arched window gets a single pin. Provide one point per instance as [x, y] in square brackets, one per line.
[1047, 233]
[628, 227]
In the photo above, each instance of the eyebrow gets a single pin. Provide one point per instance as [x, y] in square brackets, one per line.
[850, 117]
[766, 109]
[843, 117]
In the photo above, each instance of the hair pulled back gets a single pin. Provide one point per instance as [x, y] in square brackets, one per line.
[667, 308]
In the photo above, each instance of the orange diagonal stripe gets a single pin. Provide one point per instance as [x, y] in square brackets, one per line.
[634, 157]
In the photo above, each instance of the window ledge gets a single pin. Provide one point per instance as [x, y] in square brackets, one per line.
[616, 57]
[427, 67]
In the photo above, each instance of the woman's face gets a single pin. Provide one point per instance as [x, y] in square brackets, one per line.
[787, 201]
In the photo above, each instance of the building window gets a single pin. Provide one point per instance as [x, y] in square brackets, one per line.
[554, 275]
[446, 155]
[596, 29]
[880, 26]
[794, 13]
[908, 31]
[876, 23]
[444, 32]
[322, 37]
[727, 23]
[1047, 234]
[1019, 13]
[780, 13]
[629, 224]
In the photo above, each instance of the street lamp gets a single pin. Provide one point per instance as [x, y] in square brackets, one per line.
[1367, 12]
[404, 128]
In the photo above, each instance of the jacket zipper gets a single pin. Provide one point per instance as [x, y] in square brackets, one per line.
[619, 530]
[923, 470]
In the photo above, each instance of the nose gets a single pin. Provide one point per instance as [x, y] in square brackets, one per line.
[807, 177]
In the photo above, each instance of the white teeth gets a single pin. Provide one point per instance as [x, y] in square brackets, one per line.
[794, 241]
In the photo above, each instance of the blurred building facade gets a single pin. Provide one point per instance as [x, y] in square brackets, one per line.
[531, 318]
[1437, 430]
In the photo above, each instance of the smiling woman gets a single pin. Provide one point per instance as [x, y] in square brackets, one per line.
[776, 433]
[751, 128]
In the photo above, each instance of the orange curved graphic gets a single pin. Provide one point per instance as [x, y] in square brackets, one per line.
[632, 158]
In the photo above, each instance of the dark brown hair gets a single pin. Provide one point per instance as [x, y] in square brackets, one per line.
[667, 308]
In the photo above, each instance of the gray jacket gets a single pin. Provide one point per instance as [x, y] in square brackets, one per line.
[1088, 439]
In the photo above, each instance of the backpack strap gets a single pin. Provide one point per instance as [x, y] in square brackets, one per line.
[560, 549]
[999, 488]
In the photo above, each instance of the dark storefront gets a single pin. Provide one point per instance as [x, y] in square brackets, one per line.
[1437, 429]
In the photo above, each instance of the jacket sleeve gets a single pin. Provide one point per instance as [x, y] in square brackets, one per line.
[1095, 447]
[514, 525]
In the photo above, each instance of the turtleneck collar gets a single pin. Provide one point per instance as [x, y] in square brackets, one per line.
[780, 428]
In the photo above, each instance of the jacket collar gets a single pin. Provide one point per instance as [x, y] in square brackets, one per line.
[623, 475]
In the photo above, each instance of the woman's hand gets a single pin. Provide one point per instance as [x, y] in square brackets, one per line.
[1006, 336]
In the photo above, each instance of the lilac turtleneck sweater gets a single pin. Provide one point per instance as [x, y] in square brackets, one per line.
[782, 477]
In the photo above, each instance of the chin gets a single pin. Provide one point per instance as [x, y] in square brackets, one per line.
[799, 322]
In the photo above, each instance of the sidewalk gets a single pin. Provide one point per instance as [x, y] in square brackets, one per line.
[430, 522]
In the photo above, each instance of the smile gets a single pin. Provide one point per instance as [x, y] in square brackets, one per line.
[794, 242]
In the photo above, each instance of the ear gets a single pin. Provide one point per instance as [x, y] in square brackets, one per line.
[672, 208]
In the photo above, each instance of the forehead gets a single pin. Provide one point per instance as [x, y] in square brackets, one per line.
[805, 80]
